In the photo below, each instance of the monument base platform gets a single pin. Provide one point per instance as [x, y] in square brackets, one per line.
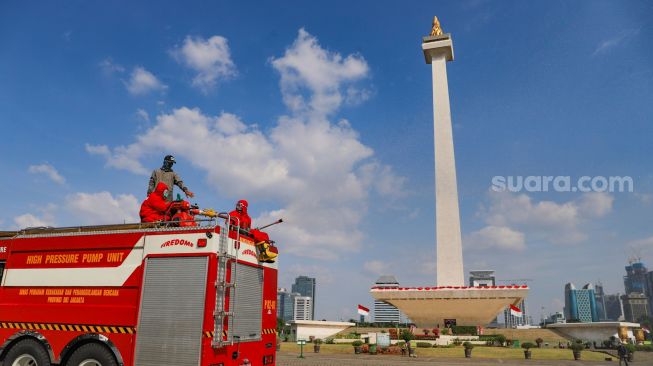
[429, 307]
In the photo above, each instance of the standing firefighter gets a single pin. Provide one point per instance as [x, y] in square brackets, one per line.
[166, 175]
[244, 221]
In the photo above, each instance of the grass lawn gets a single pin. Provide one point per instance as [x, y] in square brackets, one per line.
[457, 352]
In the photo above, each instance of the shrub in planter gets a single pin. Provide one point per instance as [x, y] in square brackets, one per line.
[539, 342]
[316, 345]
[392, 350]
[501, 339]
[508, 342]
[577, 347]
[527, 349]
[464, 330]
[607, 344]
[631, 352]
[644, 348]
[468, 349]
[407, 336]
[357, 346]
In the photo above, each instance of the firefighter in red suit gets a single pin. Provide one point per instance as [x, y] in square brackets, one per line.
[155, 205]
[240, 212]
[263, 245]
[261, 239]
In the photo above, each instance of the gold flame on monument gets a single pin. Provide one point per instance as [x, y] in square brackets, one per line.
[436, 30]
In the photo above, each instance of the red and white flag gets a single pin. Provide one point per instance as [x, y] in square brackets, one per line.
[362, 310]
[515, 311]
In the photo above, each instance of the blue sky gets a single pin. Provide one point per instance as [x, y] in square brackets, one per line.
[322, 114]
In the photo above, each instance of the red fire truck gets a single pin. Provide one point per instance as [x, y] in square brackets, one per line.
[136, 294]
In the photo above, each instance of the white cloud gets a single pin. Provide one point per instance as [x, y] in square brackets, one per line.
[355, 96]
[646, 243]
[375, 267]
[500, 237]
[318, 173]
[109, 67]
[29, 220]
[558, 223]
[595, 204]
[103, 208]
[44, 218]
[142, 82]
[49, 171]
[307, 66]
[120, 158]
[143, 115]
[614, 40]
[210, 58]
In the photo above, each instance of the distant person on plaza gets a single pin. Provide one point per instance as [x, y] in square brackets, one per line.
[154, 207]
[166, 175]
[240, 213]
[622, 351]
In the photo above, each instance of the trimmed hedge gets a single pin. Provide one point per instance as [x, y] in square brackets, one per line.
[423, 345]
[489, 337]
[463, 329]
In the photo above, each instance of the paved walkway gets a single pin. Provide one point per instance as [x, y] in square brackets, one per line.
[319, 359]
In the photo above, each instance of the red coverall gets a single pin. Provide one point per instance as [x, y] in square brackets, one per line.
[243, 218]
[155, 205]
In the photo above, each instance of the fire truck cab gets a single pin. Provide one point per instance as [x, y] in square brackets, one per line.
[136, 294]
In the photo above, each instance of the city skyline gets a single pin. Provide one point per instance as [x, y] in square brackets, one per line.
[330, 127]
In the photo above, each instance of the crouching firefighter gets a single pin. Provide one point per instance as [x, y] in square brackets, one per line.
[267, 251]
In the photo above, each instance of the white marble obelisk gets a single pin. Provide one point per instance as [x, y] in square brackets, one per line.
[437, 51]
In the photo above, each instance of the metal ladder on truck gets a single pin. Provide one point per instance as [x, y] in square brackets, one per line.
[223, 285]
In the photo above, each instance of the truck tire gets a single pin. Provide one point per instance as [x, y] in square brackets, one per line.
[92, 354]
[28, 352]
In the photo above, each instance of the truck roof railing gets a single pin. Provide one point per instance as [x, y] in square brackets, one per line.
[204, 223]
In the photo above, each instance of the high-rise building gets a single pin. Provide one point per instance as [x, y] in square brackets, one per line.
[483, 279]
[511, 321]
[384, 312]
[613, 308]
[285, 304]
[649, 291]
[580, 304]
[305, 286]
[635, 278]
[635, 306]
[303, 308]
[599, 299]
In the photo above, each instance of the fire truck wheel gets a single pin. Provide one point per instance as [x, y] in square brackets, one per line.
[27, 352]
[92, 354]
